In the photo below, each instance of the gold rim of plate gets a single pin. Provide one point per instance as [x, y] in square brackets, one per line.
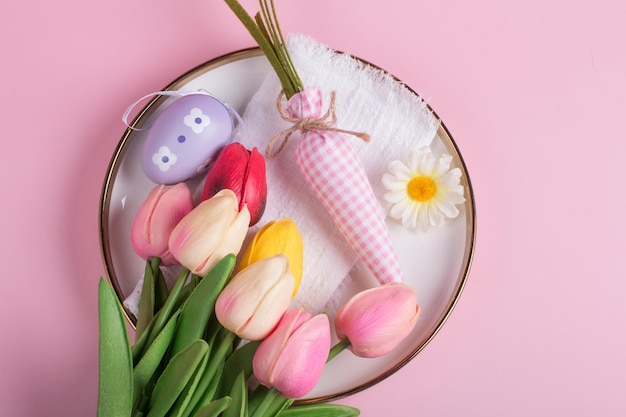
[152, 105]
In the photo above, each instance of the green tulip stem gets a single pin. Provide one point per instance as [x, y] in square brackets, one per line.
[268, 396]
[338, 348]
[265, 30]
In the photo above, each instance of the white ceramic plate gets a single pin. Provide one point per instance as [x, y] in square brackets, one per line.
[436, 264]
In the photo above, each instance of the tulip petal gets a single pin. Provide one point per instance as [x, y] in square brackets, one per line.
[228, 171]
[243, 172]
[377, 320]
[294, 362]
[250, 255]
[269, 311]
[254, 301]
[254, 190]
[231, 241]
[270, 347]
[201, 231]
[163, 208]
[277, 237]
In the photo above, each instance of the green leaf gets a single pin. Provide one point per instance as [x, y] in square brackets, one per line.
[239, 361]
[146, 301]
[115, 386]
[261, 401]
[200, 305]
[279, 403]
[239, 395]
[182, 403]
[161, 292]
[214, 408]
[149, 363]
[165, 313]
[141, 341]
[320, 410]
[175, 377]
[217, 355]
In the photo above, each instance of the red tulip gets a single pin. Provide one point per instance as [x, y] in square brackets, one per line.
[156, 218]
[376, 320]
[292, 357]
[243, 172]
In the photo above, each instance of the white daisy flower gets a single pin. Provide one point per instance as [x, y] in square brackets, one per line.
[425, 191]
[164, 158]
[197, 120]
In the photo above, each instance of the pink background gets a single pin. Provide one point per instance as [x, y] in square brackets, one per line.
[533, 92]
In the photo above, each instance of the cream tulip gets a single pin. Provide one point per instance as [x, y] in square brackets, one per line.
[256, 298]
[212, 230]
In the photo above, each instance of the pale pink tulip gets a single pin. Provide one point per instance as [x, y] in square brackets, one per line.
[209, 232]
[156, 218]
[292, 357]
[375, 321]
[256, 298]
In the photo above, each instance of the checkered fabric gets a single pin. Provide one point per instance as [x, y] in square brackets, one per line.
[335, 174]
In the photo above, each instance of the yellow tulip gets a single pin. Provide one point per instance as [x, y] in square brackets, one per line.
[277, 237]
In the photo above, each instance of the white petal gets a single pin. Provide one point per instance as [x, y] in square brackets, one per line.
[422, 218]
[447, 208]
[417, 158]
[428, 163]
[449, 180]
[393, 183]
[434, 216]
[398, 209]
[395, 196]
[399, 170]
[410, 220]
[442, 165]
[455, 196]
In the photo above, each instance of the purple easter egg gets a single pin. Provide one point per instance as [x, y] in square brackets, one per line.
[185, 138]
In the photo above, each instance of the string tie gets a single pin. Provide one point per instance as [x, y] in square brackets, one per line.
[306, 124]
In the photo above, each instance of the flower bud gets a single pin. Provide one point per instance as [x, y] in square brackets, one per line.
[156, 218]
[376, 320]
[209, 232]
[242, 171]
[292, 357]
[255, 299]
[277, 237]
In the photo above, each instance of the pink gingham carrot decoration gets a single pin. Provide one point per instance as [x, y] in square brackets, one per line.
[324, 153]
[335, 174]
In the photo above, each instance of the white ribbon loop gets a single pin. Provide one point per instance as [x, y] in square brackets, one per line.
[130, 108]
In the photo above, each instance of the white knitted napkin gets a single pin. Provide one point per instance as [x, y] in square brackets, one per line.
[368, 100]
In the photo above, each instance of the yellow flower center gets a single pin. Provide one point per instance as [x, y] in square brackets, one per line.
[421, 188]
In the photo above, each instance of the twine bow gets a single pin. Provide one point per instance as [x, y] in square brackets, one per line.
[307, 124]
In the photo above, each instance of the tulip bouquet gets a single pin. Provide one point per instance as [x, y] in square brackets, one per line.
[223, 339]
[199, 344]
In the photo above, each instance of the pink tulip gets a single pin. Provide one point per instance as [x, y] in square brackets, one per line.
[376, 320]
[256, 298]
[292, 357]
[212, 230]
[156, 218]
[242, 171]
